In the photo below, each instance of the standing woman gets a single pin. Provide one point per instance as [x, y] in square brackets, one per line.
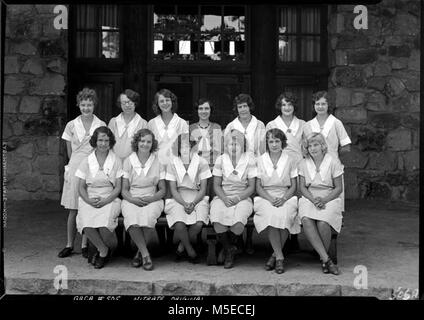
[99, 187]
[287, 122]
[320, 206]
[188, 209]
[276, 204]
[234, 182]
[330, 127]
[77, 135]
[143, 187]
[248, 124]
[206, 134]
[126, 123]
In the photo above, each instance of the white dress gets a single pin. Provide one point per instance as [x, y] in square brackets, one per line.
[234, 181]
[143, 182]
[293, 133]
[254, 133]
[334, 133]
[320, 184]
[100, 183]
[81, 148]
[124, 133]
[167, 134]
[276, 181]
[188, 184]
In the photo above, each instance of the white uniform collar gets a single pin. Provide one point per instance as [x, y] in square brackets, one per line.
[138, 167]
[170, 129]
[292, 129]
[80, 130]
[240, 168]
[204, 141]
[131, 126]
[191, 170]
[249, 132]
[94, 167]
[269, 166]
[323, 168]
[327, 125]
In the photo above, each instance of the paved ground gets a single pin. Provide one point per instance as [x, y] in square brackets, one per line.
[381, 236]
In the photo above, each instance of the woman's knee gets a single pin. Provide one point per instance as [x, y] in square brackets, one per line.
[238, 228]
[179, 226]
[219, 228]
[307, 221]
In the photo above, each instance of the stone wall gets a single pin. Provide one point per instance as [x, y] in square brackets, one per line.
[34, 102]
[375, 82]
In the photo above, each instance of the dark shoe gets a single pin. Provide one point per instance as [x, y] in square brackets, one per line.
[229, 258]
[332, 268]
[100, 262]
[324, 267]
[65, 252]
[194, 260]
[84, 252]
[279, 266]
[221, 257]
[180, 256]
[270, 264]
[147, 263]
[137, 261]
[92, 259]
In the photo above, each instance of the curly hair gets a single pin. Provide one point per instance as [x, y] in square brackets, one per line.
[137, 137]
[322, 94]
[200, 102]
[87, 94]
[289, 96]
[105, 130]
[314, 136]
[167, 94]
[235, 135]
[132, 95]
[243, 98]
[278, 134]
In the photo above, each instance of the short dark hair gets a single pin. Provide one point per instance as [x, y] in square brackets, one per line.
[167, 94]
[201, 101]
[87, 94]
[276, 133]
[132, 95]
[323, 94]
[105, 130]
[289, 96]
[243, 98]
[137, 137]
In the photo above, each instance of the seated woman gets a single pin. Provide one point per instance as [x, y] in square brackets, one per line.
[234, 182]
[188, 210]
[320, 207]
[99, 186]
[143, 187]
[275, 206]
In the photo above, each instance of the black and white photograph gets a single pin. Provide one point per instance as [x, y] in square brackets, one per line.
[191, 150]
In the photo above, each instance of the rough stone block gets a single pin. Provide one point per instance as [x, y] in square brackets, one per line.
[412, 160]
[410, 120]
[352, 114]
[351, 184]
[348, 77]
[380, 293]
[54, 105]
[33, 66]
[376, 102]
[414, 102]
[382, 69]
[13, 85]
[349, 41]
[358, 98]
[11, 64]
[354, 159]
[181, 288]
[341, 58]
[10, 103]
[57, 65]
[246, 289]
[392, 40]
[17, 195]
[384, 120]
[411, 79]
[49, 48]
[29, 182]
[298, 289]
[363, 56]
[30, 104]
[47, 164]
[400, 51]
[51, 183]
[53, 144]
[18, 128]
[416, 138]
[414, 60]
[385, 160]
[53, 84]
[20, 9]
[394, 87]
[41, 144]
[343, 97]
[26, 150]
[399, 140]
[25, 48]
[45, 8]
[368, 71]
[406, 24]
[49, 30]
[399, 63]
[377, 83]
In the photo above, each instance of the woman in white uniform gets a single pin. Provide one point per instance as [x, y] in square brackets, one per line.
[99, 187]
[143, 187]
[275, 206]
[126, 123]
[77, 135]
[320, 207]
[234, 183]
[188, 209]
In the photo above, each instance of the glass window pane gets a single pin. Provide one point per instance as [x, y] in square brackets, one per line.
[210, 47]
[310, 48]
[87, 45]
[234, 47]
[108, 15]
[110, 45]
[288, 20]
[287, 48]
[234, 19]
[310, 20]
[211, 18]
[86, 16]
[164, 18]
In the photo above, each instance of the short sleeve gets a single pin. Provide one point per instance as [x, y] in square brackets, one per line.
[170, 173]
[252, 170]
[337, 168]
[67, 133]
[162, 171]
[217, 168]
[204, 171]
[342, 134]
[82, 169]
[293, 170]
[126, 169]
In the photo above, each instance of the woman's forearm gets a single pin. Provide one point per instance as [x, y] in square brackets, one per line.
[200, 194]
[334, 194]
[246, 193]
[263, 193]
